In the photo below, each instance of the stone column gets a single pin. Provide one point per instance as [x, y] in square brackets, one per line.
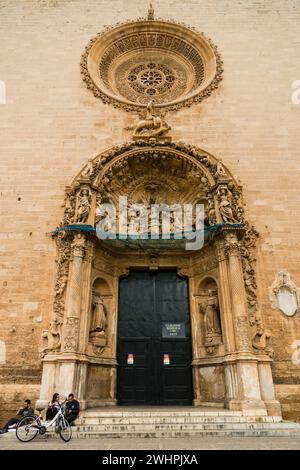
[69, 373]
[224, 299]
[249, 396]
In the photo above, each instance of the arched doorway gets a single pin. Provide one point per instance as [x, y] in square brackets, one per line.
[228, 367]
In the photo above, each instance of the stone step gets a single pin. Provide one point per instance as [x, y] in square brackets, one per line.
[283, 429]
[187, 433]
[145, 414]
[89, 420]
[181, 427]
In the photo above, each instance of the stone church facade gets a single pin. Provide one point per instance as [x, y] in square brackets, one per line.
[134, 101]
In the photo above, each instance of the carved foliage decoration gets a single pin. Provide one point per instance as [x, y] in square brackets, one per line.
[260, 336]
[71, 333]
[51, 338]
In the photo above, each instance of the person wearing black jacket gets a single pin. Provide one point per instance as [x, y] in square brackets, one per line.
[26, 411]
[73, 409]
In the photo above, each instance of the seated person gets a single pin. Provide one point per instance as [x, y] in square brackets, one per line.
[72, 406]
[12, 423]
[52, 407]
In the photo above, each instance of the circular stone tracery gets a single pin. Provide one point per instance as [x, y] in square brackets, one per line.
[134, 62]
[152, 79]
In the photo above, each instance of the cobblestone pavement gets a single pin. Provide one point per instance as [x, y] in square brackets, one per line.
[213, 443]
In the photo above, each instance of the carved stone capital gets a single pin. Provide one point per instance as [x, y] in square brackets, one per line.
[233, 249]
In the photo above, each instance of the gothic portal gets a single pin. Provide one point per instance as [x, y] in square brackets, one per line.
[130, 313]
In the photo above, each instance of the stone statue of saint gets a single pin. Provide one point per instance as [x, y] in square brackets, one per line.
[84, 206]
[151, 13]
[211, 317]
[99, 317]
[225, 206]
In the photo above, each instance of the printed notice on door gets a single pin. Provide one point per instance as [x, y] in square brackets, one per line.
[173, 330]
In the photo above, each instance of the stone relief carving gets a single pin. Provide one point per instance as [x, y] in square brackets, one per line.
[90, 169]
[51, 338]
[260, 340]
[71, 334]
[152, 126]
[70, 205]
[284, 294]
[248, 258]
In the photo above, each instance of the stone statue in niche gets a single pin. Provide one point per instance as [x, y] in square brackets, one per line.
[52, 337]
[99, 314]
[225, 201]
[152, 126]
[99, 321]
[211, 324]
[284, 294]
[84, 205]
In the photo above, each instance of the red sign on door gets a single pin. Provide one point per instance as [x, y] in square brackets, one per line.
[166, 359]
[130, 359]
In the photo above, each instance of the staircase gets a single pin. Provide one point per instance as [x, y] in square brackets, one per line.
[132, 422]
[178, 422]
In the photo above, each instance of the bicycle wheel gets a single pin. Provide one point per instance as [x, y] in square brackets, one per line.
[28, 427]
[64, 429]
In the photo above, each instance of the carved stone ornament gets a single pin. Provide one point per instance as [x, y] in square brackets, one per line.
[132, 62]
[152, 126]
[260, 340]
[51, 338]
[284, 294]
[70, 341]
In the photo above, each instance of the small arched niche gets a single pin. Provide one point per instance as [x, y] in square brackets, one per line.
[210, 318]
